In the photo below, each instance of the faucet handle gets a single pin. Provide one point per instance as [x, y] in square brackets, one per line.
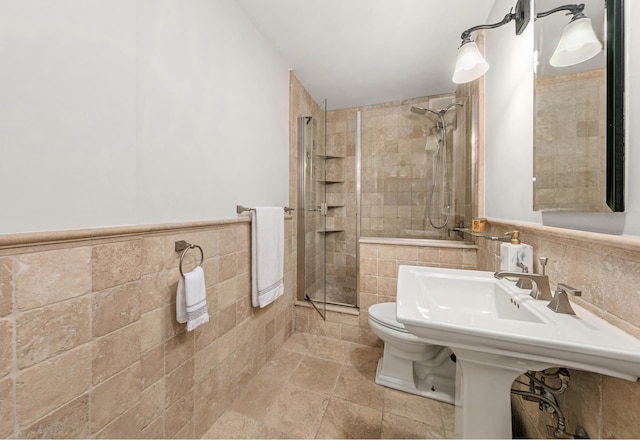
[569, 289]
[543, 263]
[560, 302]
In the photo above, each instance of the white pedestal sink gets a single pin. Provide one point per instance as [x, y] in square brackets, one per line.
[498, 332]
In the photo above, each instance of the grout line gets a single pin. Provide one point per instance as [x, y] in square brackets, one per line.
[13, 318]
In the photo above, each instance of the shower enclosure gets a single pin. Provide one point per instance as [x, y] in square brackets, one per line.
[377, 172]
[327, 221]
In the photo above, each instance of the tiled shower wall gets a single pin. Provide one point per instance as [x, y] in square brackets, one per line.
[607, 270]
[398, 149]
[341, 195]
[398, 158]
[89, 345]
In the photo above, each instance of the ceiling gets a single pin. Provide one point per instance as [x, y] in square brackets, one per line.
[360, 52]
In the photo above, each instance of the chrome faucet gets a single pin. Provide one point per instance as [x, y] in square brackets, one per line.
[540, 288]
[560, 302]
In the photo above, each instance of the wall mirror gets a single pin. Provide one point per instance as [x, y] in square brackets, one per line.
[578, 161]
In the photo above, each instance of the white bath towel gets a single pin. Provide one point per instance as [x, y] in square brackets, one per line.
[267, 255]
[191, 299]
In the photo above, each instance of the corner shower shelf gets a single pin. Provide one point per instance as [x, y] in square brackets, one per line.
[330, 181]
[329, 156]
[329, 231]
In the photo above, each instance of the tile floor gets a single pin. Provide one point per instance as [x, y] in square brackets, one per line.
[320, 387]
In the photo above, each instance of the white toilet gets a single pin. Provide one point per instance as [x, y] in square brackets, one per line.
[409, 364]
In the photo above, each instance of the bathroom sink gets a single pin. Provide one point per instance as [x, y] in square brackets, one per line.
[497, 332]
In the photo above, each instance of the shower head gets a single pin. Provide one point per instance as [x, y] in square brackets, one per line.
[418, 110]
[441, 112]
[423, 111]
[446, 109]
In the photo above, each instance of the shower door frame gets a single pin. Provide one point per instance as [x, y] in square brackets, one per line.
[303, 169]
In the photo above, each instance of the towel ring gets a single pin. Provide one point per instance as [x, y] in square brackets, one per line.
[190, 246]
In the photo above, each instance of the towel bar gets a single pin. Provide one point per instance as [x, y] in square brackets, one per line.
[240, 209]
[185, 247]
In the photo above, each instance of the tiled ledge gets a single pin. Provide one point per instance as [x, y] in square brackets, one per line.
[331, 308]
[31, 239]
[417, 242]
[10, 241]
[585, 238]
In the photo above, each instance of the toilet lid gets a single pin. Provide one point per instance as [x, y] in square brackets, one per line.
[385, 314]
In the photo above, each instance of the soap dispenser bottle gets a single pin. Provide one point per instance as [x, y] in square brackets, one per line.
[515, 255]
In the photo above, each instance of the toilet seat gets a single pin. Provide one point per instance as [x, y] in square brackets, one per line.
[385, 315]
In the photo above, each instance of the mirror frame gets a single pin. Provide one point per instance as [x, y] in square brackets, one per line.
[615, 105]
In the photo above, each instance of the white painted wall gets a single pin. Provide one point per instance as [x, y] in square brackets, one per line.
[509, 132]
[120, 112]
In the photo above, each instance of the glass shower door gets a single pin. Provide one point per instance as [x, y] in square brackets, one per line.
[312, 209]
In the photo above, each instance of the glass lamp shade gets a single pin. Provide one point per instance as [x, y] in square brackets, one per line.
[470, 64]
[578, 43]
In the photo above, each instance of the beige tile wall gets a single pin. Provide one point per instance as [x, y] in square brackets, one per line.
[398, 158]
[569, 142]
[607, 270]
[378, 282]
[89, 345]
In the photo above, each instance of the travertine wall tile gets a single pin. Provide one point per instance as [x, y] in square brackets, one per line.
[124, 425]
[154, 252]
[226, 319]
[155, 429]
[227, 292]
[152, 330]
[115, 352]
[115, 308]
[6, 286]
[206, 359]
[228, 266]
[47, 277]
[229, 242]
[6, 346]
[178, 349]
[51, 330]
[178, 382]
[152, 365]
[620, 409]
[52, 383]
[178, 415]
[116, 263]
[152, 403]
[6, 407]
[115, 396]
[154, 291]
[69, 421]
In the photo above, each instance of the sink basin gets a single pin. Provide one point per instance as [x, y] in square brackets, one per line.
[498, 332]
[466, 296]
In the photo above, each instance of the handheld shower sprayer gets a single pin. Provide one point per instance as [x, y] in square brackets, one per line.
[440, 161]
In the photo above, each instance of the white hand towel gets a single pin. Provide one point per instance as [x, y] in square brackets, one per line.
[191, 299]
[267, 255]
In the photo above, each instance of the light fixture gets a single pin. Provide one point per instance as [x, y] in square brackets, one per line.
[471, 64]
[578, 42]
